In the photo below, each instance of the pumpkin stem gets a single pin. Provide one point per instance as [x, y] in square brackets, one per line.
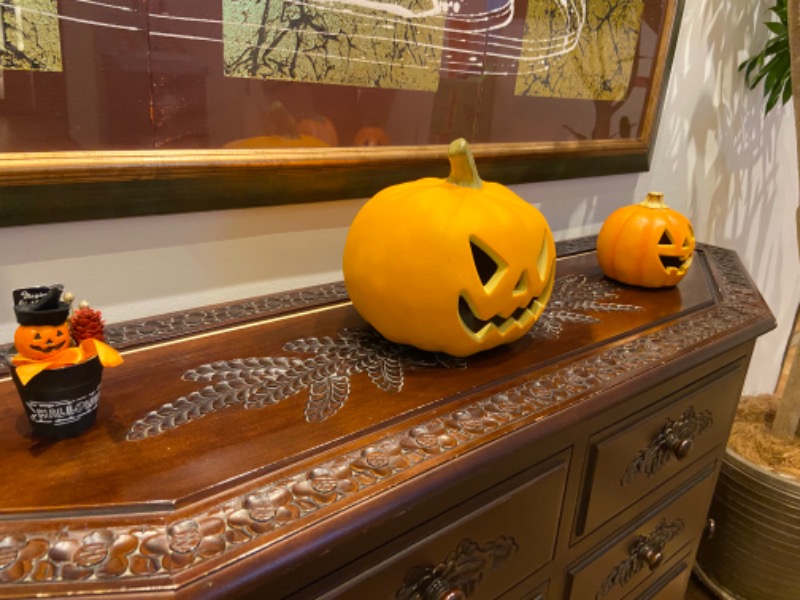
[463, 171]
[654, 200]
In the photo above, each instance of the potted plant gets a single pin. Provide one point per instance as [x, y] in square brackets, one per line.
[756, 548]
[57, 361]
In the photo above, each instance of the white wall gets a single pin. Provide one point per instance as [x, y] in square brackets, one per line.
[733, 172]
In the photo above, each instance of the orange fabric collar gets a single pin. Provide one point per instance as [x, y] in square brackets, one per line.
[28, 368]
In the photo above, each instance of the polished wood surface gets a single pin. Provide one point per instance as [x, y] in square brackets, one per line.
[278, 443]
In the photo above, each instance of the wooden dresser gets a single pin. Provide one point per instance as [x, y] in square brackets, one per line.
[278, 448]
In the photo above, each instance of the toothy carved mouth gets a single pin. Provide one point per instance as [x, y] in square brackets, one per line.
[675, 262]
[479, 326]
[48, 349]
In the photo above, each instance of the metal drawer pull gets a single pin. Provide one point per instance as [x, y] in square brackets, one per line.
[675, 438]
[710, 529]
[456, 576]
[645, 550]
[439, 589]
[652, 557]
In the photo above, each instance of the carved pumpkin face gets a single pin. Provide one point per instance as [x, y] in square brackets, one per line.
[41, 341]
[371, 136]
[454, 265]
[647, 244]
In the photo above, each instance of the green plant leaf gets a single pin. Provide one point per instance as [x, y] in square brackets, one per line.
[776, 27]
[772, 65]
[787, 90]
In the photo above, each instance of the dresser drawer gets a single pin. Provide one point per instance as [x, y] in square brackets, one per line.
[634, 457]
[500, 537]
[671, 586]
[636, 555]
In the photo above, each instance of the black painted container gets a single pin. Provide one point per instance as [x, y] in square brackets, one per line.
[62, 403]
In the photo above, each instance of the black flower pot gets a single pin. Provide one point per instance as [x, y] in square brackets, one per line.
[62, 403]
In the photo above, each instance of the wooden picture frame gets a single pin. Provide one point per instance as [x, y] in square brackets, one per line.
[42, 182]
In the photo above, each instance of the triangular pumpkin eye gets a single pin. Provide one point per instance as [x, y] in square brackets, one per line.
[666, 239]
[686, 244]
[486, 266]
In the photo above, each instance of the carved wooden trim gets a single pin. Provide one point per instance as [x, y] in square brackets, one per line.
[655, 542]
[195, 535]
[658, 453]
[180, 324]
[462, 569]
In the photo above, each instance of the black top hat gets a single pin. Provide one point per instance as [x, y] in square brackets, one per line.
[40, 305]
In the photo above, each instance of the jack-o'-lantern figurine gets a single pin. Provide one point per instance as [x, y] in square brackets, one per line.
[646, 244]
[59, 361]
[455, 265]
[45, 338]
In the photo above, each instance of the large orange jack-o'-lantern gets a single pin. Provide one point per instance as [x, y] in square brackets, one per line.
[646, 244]
[456, 265]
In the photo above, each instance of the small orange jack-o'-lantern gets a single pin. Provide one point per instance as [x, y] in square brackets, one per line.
[42, 316]
[41, 341]
[371, 136]
[456, 265]
[646, 244]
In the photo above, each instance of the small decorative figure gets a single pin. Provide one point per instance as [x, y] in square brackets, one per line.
[59, 360]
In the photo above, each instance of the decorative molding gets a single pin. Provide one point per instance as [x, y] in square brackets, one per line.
[667, 443]
[193, 537]
[135, 333]
[642, 547]
[462, 570]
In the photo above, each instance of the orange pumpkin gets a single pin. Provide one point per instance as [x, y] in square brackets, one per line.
[319, 127]
[371, 136]
[41, 341]
[646, 244]
[454, 265]
[279, 130]
[274, 141]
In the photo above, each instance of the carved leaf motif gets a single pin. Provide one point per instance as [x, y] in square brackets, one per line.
[325, 397]
[573, 296]
[255, 382]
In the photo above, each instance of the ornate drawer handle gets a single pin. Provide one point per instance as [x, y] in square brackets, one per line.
[645, 550]
[456, 577]
[652, 557]
[676, 438]
[680, 447]
[439, 589]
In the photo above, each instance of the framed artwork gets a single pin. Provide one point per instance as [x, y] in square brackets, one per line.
[112, 108]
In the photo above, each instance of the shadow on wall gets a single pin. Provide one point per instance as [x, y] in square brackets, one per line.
[737, 184]
[743, 179]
